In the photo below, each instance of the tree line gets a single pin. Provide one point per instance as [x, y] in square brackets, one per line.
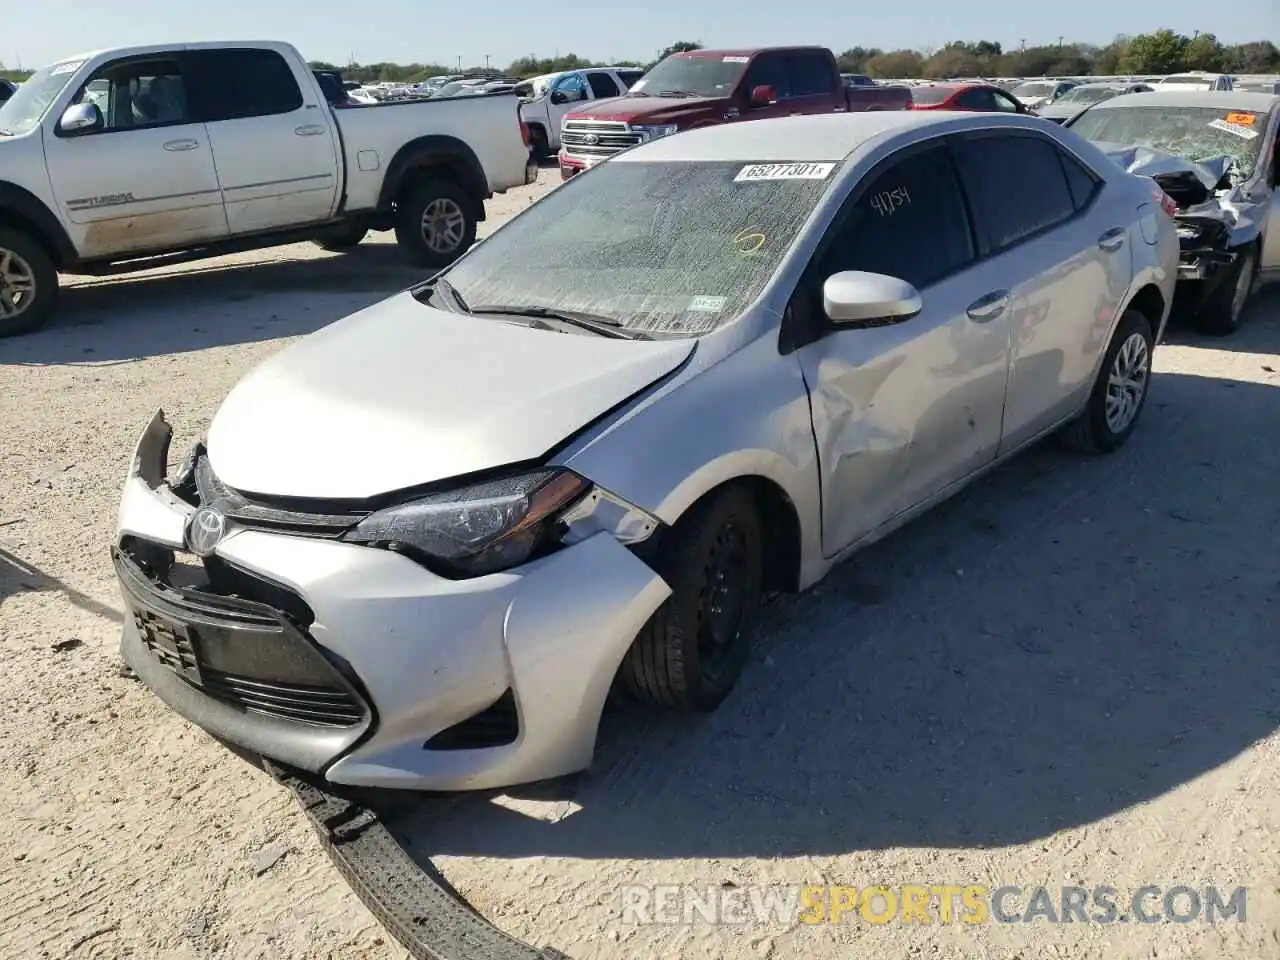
[1162, 51]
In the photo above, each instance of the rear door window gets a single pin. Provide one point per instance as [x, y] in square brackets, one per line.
[1017, 185]
[602, 85]
[237, 83]
[768, 70]
[977, 99]
[810, 74]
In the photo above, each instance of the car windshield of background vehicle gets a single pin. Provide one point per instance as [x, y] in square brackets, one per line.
[666, 249]
[1192, 133]
[700, 76]
[22, 112]
[1029, 91]
[1088, 95]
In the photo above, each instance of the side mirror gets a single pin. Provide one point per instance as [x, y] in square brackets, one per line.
[763, 96]
[80, 118]
[852, 297]
[559, 97]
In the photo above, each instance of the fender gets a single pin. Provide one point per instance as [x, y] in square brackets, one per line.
[24, 205]
[436, 149]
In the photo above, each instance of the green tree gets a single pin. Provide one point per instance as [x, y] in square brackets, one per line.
[854, 60]
[953, 60]
[1159, 52]
[1204, 52]
[1261, 56]
[1106, 61]
[896, 65]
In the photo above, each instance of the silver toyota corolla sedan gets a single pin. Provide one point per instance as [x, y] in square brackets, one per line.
[420, 546]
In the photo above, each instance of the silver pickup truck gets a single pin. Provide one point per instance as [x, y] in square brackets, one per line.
[123, 159]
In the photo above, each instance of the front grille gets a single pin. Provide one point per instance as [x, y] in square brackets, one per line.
[597, 138]
[323, 706]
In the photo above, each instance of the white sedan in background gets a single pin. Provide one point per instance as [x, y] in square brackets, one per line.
[421, 544]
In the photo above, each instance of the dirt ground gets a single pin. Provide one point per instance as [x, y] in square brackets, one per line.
[1069, 675]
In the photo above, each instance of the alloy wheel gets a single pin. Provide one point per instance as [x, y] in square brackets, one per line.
[1127, 382]
[443, 225]
[17, 285]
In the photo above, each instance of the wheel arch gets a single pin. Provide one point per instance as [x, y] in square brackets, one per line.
[430, 156]
[1151, 303]
[23, 210]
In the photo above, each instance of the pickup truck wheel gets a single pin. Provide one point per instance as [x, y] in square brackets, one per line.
[691, 652]
[435, 222]
[28, 283]
[538, 143]
[344, 240]
[1119, 393]
[1222, 314]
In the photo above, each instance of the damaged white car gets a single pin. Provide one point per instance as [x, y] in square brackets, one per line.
[1215, 154]
[420, 546]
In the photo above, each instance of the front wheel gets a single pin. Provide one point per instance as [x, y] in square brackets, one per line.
[694, 648]
[436, 222]
[1120, 392]
[28, 283]
[1222, 314]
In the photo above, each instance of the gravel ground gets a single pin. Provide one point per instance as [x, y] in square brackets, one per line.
[1069, 675]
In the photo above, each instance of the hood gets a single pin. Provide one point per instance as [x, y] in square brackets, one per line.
[1059, 111]
[628, 109]
[1033, 102]
[401, 394]
[1187, 182]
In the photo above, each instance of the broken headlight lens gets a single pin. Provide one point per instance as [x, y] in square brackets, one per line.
[478, 529]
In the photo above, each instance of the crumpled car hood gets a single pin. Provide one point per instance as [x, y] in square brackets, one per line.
[401, 394]
[1149, 162]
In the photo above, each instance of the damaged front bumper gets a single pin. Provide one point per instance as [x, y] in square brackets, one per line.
[359, 664]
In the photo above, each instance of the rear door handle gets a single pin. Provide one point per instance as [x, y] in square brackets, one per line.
[314, 130]
[989, 307]
[177, 146]
[1112, 240]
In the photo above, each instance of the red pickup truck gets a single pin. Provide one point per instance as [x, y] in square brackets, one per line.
[705, 87]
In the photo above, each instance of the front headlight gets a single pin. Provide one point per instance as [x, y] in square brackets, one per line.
[654, 131]
[479, 529]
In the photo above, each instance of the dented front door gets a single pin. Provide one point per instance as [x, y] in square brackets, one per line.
[146, 181]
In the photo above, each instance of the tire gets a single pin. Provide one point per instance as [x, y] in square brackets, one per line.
[680, 660]
[344, 240]
[28, 283]
[1223, 313]
[436, 222]
[1094, 431]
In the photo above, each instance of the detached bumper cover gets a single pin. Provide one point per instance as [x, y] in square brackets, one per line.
[415, 653]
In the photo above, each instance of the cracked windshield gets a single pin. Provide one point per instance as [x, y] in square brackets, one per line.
[663, 249]
[1192, 133]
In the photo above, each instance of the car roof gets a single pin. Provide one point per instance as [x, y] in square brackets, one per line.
[744, 52]
[818, 138]
[1222, 99]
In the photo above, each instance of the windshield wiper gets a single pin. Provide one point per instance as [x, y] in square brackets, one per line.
[605, 326]
[678, 93]
[443, 287]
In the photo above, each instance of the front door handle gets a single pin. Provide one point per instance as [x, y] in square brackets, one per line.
[314, 130]
[1112, 240]
[177, 146]
[989, 307]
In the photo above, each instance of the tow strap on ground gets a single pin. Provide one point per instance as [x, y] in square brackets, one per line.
[412, 902]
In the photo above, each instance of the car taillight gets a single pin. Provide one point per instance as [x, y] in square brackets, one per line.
[524, 132]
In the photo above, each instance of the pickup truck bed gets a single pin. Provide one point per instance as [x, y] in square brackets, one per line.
[113, 159]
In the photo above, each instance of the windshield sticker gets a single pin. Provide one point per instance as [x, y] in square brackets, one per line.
[70, 67]
[1244, 119]
[784, 171]
[737, 59]
[1243, 132]
[749, 241]
[707, 304]
[888, 202]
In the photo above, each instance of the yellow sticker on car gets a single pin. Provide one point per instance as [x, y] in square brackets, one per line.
[1243, 119]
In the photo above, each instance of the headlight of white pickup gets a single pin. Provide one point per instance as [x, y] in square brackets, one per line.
[654, 131]
[476, 530]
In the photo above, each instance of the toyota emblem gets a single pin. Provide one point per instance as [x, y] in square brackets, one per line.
[205, 531]
[592, 138]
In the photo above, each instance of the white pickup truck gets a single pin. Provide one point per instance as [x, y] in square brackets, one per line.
[128, 158]
[568, 91]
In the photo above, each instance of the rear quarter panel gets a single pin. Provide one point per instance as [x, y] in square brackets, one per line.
[371, 135]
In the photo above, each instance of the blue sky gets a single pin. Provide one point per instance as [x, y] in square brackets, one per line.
[404, 31]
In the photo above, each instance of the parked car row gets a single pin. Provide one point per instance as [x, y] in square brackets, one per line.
[107, 165]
